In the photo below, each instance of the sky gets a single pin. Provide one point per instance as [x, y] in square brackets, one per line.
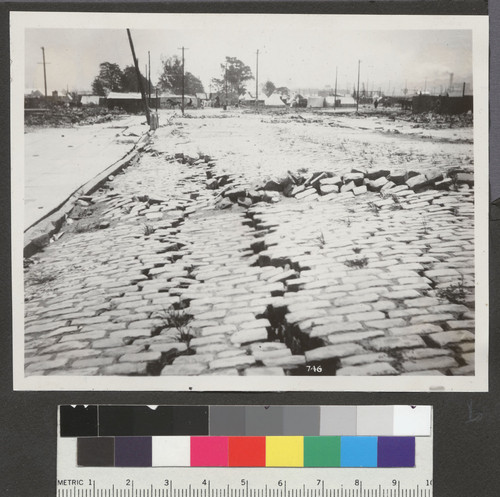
[296, 58]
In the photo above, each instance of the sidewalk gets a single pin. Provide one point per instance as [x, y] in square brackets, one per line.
[60, 160]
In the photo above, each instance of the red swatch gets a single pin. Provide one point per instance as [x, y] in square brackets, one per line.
[247, 452]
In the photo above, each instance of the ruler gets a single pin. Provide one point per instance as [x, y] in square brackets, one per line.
[336, 485]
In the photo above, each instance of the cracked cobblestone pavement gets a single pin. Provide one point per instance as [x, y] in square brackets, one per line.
[191, 262]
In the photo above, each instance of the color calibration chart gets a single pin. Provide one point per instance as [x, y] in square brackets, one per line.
[244, 451]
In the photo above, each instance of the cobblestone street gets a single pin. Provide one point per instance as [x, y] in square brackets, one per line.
[244, 244]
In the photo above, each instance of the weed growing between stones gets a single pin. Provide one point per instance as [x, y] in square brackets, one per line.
[179, 320]
[357, 263]
[373, 208]
[289, 334]
[455, 292]
[397, 203]
[148, 229]
[321, 240]
[184, 336]
[425, 227]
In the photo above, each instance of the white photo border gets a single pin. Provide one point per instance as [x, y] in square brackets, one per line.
[20, 21]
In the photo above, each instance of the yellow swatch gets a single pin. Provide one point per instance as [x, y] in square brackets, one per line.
[285, 452]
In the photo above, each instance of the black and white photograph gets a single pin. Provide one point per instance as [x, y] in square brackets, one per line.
[249, 202]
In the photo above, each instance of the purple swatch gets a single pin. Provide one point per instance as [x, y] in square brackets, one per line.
[396, 452]
[133, 452]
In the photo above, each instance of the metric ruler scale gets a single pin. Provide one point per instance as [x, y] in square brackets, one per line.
[356, 488]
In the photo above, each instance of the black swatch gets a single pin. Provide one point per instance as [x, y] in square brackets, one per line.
[136, 421]
[190, 420]
[78, 421]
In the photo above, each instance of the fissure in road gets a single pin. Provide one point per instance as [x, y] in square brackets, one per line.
[176, 268]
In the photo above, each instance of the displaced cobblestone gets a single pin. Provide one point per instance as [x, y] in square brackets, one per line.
[267, 281]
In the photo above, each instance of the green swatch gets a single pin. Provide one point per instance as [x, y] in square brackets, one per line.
[321, 452]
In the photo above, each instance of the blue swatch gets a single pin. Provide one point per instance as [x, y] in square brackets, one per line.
[358, 452]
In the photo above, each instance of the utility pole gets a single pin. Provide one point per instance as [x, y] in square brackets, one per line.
[146, 75]
[357, 96]
[335, 93]
[149, 74]
[463, 90]
[225, 78]
[257, 81]
[141, 86]
[183, 88]
[44, 71]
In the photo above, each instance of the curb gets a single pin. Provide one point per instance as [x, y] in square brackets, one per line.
[37, 236]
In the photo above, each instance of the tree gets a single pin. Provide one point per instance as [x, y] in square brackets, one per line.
[268, 88]
[171, 78]
[110, 78]
[193, 84]
[129, 80]
[236, 75]
[283, 91]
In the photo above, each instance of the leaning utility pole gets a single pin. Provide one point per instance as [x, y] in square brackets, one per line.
[335, 93]
[149, 74]
[257, 81]
[44, 72]
[138, 72]
[357, 96]
[182, 104]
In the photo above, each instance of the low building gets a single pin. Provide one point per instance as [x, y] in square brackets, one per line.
[171, 101]
[33, 98]
[129, 102]
[92, 100]
[315, 102]
[341, 101]
[32, 93]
